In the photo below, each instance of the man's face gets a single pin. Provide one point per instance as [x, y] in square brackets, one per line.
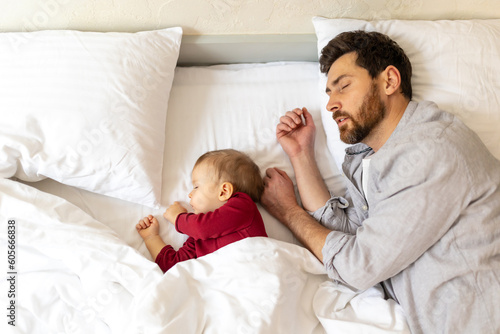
[354, 100]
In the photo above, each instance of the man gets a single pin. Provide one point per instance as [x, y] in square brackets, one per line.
[422, 208]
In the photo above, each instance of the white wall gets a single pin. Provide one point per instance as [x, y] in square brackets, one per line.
[207, 17]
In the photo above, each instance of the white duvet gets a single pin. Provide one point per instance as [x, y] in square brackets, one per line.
[74, 275]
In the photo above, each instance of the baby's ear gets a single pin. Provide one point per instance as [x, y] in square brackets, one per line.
[225, 191]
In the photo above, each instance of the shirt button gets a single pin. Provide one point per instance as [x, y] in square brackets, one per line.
[365, 208]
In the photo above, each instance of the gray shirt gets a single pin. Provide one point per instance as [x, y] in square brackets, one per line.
[430, 230]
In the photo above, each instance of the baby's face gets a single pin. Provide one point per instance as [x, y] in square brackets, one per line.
[205, 194]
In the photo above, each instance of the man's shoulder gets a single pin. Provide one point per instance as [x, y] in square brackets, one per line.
[425, 114]
[430, 137]
[425, 122]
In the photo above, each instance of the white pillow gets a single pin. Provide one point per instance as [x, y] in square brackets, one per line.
[455, 64]
[87, 109]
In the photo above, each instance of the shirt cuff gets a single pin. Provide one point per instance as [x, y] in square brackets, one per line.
[330, 212]
[334, 243]
[177, 223]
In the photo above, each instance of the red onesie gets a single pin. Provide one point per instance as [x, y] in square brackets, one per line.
[238, 219]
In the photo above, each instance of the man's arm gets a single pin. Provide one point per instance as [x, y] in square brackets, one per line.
[279, 199]
[312, 188]
[296, 136]
[296, 133]
[308, 231]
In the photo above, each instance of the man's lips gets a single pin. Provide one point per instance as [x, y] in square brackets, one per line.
[341, 120]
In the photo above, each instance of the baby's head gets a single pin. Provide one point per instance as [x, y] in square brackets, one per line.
[222, 173]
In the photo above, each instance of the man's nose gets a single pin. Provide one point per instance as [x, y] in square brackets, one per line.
[333, 103]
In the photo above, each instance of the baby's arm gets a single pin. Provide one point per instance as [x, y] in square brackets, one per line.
[173, 211]
[149, 230]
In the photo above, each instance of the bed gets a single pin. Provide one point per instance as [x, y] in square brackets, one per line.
[99, 130]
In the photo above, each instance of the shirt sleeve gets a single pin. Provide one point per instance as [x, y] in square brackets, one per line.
[337, 214]
[414, 205]
[168, 256]
[235, 215]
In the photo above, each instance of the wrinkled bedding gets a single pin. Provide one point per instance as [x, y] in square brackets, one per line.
[74, 275]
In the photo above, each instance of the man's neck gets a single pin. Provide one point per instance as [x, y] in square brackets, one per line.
[395, 109]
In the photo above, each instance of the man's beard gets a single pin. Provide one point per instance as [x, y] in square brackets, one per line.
[371, 113]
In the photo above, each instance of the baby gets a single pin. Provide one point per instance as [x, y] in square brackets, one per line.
[226, 185]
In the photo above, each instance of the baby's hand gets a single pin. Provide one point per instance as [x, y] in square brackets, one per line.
[148, 227]
[173, 211]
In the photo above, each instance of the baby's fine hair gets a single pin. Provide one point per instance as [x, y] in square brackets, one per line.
[237, 168]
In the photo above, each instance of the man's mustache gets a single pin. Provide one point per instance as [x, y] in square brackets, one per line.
[340, 113]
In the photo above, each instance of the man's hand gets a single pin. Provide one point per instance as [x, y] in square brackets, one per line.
[173, 211]
[278, 197]
[295, 135]
[279, 200]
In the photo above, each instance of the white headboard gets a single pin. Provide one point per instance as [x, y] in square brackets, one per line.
[220, 49]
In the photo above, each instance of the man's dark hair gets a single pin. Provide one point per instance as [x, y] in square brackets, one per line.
[375, 52]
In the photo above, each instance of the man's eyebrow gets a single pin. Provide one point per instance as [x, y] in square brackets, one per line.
[336, 82]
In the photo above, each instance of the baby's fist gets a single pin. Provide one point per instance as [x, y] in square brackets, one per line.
[173, 211]
[148, 227]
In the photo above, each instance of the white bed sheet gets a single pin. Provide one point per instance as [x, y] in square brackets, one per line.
[83, 267]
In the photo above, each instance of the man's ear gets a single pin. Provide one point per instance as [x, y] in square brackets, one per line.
[226, 191]
[392, 80]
